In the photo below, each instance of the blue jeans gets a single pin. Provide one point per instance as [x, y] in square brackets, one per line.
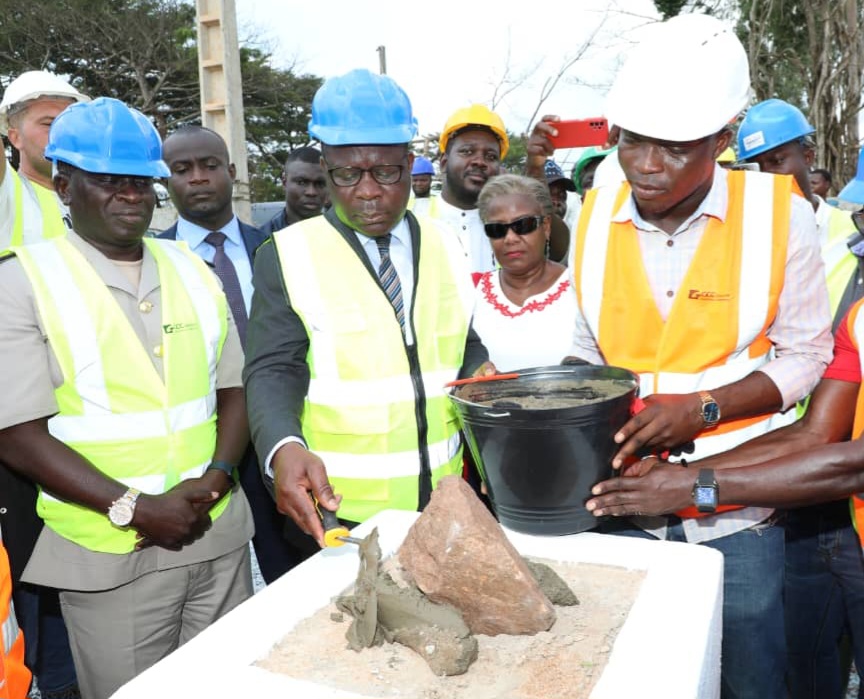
[48, 655]
[754, 643]
[824, 599]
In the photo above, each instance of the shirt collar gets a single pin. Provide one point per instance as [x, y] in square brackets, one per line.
[401, 232]
[194, 234]
[714, 205]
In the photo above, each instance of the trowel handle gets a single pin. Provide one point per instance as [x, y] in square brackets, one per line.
[333, 529]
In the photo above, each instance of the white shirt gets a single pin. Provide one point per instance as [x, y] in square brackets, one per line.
[402, 257]
[537, 333]
[467, 226]
[235, 248]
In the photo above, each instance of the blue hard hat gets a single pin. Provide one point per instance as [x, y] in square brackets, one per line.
[853, 192]
[770, 124]
[362, 108]
[422, 166]
[107, 137]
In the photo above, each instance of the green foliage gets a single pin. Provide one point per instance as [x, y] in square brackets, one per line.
[144, 52]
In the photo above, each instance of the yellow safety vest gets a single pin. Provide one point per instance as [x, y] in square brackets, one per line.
[52, 221]
[839, 261]
[14, 675]
[716, 331]
[114, 407]
[362, 411]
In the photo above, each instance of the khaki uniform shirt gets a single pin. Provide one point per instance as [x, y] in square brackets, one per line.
[29, 374]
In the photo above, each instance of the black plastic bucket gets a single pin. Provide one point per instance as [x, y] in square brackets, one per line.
[541, 441]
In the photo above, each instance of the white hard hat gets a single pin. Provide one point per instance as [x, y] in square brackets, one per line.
[32, 85]
[685, 80]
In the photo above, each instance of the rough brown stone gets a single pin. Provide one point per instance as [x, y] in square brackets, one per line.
[457, 554]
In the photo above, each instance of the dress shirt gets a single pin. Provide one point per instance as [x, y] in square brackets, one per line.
[801, 332]
[468, 227]
[401, 255]
[235, 248]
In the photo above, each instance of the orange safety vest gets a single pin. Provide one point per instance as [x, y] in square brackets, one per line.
[855, 325]
[716, 331]
[14, 675]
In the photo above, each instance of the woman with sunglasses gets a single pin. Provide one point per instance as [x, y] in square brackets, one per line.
[525, 311]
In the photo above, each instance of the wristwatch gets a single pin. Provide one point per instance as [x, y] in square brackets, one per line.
[709, 411]
[122, 510]
[225, 467]
[706, 492]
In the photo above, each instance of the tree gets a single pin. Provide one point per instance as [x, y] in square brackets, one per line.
[810, 54]
[144, 52]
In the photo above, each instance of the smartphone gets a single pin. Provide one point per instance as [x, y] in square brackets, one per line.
[580, 133]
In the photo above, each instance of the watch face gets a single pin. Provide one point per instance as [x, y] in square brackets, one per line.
[705, 496]
[711, 412]
[121, 513]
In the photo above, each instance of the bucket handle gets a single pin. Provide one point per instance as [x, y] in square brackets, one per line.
[488, 414]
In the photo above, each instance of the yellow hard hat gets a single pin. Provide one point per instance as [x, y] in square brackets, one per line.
[727, 156]
[475, 115]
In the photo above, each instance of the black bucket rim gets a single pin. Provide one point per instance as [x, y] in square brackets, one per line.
[530, 374]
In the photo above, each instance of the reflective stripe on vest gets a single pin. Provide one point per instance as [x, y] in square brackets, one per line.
[114, 407]
[716, 331]
[360, 410]
[51, 224]
[840, 263]
[14, 675]
[855, 326]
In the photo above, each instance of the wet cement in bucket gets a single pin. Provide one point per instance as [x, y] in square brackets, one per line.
[544, 395]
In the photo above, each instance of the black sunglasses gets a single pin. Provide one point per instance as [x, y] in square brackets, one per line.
[521, 226]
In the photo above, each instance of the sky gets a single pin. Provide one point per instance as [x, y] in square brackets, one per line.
[449, 53]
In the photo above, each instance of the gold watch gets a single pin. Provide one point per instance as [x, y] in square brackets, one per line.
[710, 410]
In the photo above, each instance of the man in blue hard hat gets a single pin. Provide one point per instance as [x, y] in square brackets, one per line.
[421, 177]
[853, 192]
[120, 369]
[824, 587]
[356, 327]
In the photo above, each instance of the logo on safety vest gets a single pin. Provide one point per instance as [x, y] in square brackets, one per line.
[707, 295]
[171, 328]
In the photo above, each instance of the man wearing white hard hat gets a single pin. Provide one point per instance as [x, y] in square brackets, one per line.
[29, 209]
[708, 283]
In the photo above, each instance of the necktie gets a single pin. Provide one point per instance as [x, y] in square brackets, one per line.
[227, 273]
[389, 279]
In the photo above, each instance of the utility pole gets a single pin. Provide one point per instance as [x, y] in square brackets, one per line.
[222, 88]
[382, 60]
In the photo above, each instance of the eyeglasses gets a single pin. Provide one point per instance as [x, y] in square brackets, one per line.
[521, 226]
[116, 183]
[349, 176]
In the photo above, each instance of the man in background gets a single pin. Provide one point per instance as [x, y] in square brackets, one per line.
[305, 189]
[201, 184]
[421, 177]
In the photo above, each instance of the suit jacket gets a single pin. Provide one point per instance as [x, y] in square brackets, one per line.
[252, 237]
[276, 375]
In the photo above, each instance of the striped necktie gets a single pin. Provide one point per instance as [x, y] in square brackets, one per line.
[227, 274]
[390, 280]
